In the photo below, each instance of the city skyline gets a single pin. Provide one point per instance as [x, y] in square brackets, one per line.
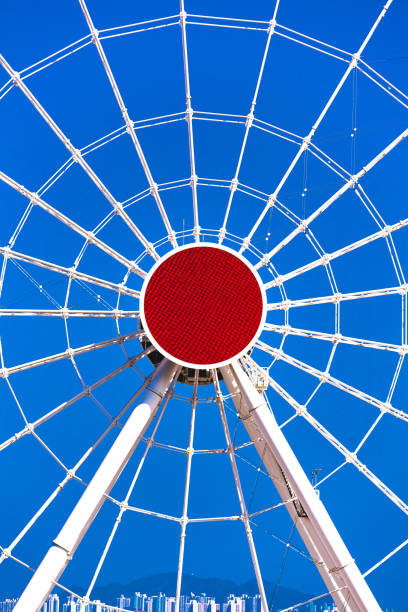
[141, 602]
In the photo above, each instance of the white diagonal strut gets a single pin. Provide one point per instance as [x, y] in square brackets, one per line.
[244, 512]
[89, 504]
[334, 562]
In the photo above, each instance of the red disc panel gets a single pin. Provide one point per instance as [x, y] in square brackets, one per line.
[203, 305]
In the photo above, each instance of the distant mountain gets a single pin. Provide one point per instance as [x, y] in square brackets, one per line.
[218, 588]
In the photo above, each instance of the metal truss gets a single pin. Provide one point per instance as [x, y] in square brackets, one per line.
[157, 389]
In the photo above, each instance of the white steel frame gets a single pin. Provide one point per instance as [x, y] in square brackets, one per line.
[343, 579]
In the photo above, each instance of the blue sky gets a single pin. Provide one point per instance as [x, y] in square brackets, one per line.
[224, 65]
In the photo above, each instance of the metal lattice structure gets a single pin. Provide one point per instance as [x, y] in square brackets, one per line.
[110, 296]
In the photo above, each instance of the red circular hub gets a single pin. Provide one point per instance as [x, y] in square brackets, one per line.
[202, 306]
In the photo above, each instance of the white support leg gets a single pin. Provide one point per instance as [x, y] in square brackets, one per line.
[241, 498]
[337, 568]
[89, 504]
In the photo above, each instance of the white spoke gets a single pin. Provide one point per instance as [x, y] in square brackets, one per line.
[89, 236]
[65, 313]
[348, 185]
[46, 417]
[326, 377]
[336, 298]
[248, 123]
[77, 156]
[244, 512]
[70, 272]
[335, 338]
[184, 519]
[306, 141]
[189, 113]
[347, 454]
[328, 257]
[70, 353]
[130, 127]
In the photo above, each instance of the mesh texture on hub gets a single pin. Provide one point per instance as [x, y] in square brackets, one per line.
[203, 305]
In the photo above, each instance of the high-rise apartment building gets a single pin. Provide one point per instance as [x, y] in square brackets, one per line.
[123, 602]
[7, 605]
[140, 602]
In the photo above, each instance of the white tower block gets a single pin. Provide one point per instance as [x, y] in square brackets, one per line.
[328, 551]
[89, 504]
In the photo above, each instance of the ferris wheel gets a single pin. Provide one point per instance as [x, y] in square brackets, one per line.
[234, 280]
